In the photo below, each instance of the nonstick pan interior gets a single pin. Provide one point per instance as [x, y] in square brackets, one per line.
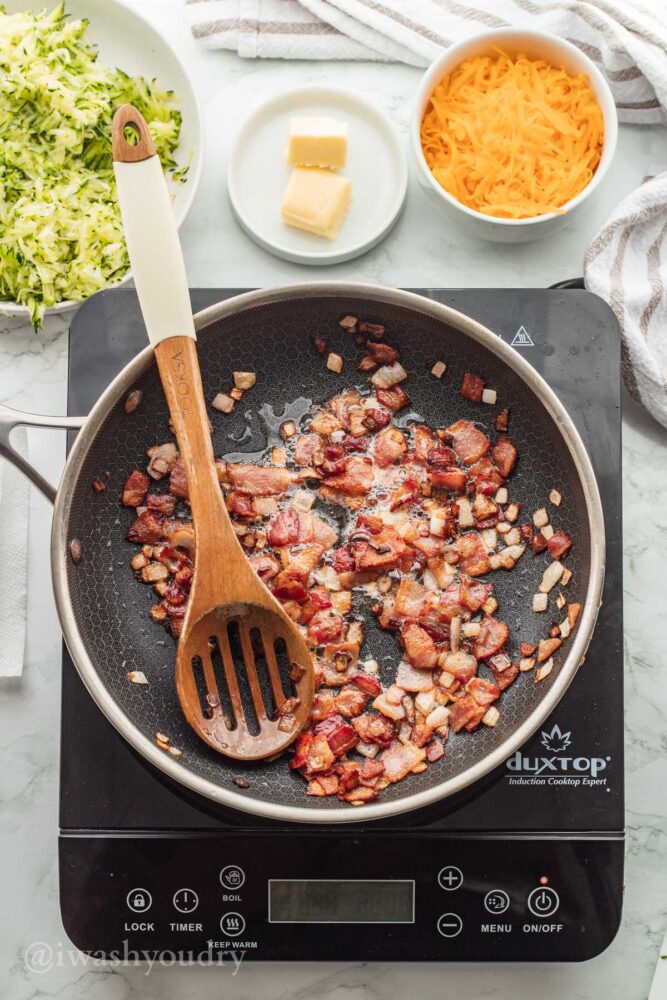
[111, 609]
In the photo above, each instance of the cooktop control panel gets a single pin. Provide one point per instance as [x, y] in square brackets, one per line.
[365, 896]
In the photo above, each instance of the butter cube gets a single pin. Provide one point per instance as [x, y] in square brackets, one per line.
[317, 142]
[316, 200]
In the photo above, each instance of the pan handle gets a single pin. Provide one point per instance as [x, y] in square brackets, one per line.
[9, 419]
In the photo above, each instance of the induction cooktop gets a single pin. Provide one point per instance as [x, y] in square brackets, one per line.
[526, 865]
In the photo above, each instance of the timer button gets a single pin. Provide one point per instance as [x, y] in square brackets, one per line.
[450, 877]
[543, 901]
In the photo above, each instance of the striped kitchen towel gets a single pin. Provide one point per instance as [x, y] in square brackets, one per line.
[626, 38]
[626, 264]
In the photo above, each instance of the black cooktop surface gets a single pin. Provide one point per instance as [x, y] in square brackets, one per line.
[569, 776]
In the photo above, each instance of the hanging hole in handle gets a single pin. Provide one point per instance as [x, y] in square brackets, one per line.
[131, 133]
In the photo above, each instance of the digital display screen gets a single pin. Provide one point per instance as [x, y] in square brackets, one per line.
[340, 901]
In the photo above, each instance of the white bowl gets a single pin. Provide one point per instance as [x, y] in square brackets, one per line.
[125, 39]
[535, 44]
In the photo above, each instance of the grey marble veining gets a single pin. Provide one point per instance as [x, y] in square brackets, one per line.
[422, 250]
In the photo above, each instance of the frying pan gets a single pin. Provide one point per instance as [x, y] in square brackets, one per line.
[103, 610]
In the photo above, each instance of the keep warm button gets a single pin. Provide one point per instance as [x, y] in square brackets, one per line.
[543, 901]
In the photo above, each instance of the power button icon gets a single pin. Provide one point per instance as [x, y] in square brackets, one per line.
[543, 901]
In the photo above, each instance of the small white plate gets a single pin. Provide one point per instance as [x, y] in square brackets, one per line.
[258, 173]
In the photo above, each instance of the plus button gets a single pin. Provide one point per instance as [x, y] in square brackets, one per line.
[450, 878]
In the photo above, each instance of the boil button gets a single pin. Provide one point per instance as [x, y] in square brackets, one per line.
[543, 901]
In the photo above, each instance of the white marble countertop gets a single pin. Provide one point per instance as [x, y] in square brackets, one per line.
[420, 251]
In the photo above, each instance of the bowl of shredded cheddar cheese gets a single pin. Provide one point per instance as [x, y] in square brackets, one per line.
[512, 133]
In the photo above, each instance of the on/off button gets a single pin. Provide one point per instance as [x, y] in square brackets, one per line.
[543, 901]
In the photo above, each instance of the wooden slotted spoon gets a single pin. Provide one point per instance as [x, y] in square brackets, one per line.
[231, 621]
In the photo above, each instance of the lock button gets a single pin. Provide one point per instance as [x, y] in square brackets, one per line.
[139, 900]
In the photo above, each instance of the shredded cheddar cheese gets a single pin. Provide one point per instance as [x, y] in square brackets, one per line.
[512, 137]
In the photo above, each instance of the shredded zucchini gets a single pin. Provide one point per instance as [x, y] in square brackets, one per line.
[61, 235]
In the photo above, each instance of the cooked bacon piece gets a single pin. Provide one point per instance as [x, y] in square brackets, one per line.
[135, 489]
[317, 600]
[325, 423]
[383, 354]
[375, 418]
[325, 626]
[343, 560]
[309, 449]
[323, 705]
[547, 648]
[339, 734]
[320, 756]
[484, 692]
[486, 476]
[451, 602]
[241, 506]
[559, 544]
[287, 589]
[301, 565]
[504, 677]
[407, 492]
[503, 420]
[474, 595]
[343, 403]
[469, 443]
[357, 478]
[283, 529]
[410, 598]
[504, 455]
[258, 480]
[164, 503]
[349, 774]
[419, 646]
[162, 459]
[322, 785]
[472, 387]
[492, 637]
[371, 770]
[389, 446]
[461, 665]
[450, 478]
[538, 544]
[394, 399]
[178, 484]
[374, 728]
[435, 751]
[465, 712]
[350, 701]
[421, 734]
[400, 759]
[265, 565]
[301, 747]
[384, 551]
[147, 529]
[484, 509]
[472, 550]
[368, 684]
[424, 441]
[360, 795]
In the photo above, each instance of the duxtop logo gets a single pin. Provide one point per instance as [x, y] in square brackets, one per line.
[555, 740]
[558, 768]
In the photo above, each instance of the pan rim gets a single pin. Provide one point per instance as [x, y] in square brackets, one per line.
[180, 773]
